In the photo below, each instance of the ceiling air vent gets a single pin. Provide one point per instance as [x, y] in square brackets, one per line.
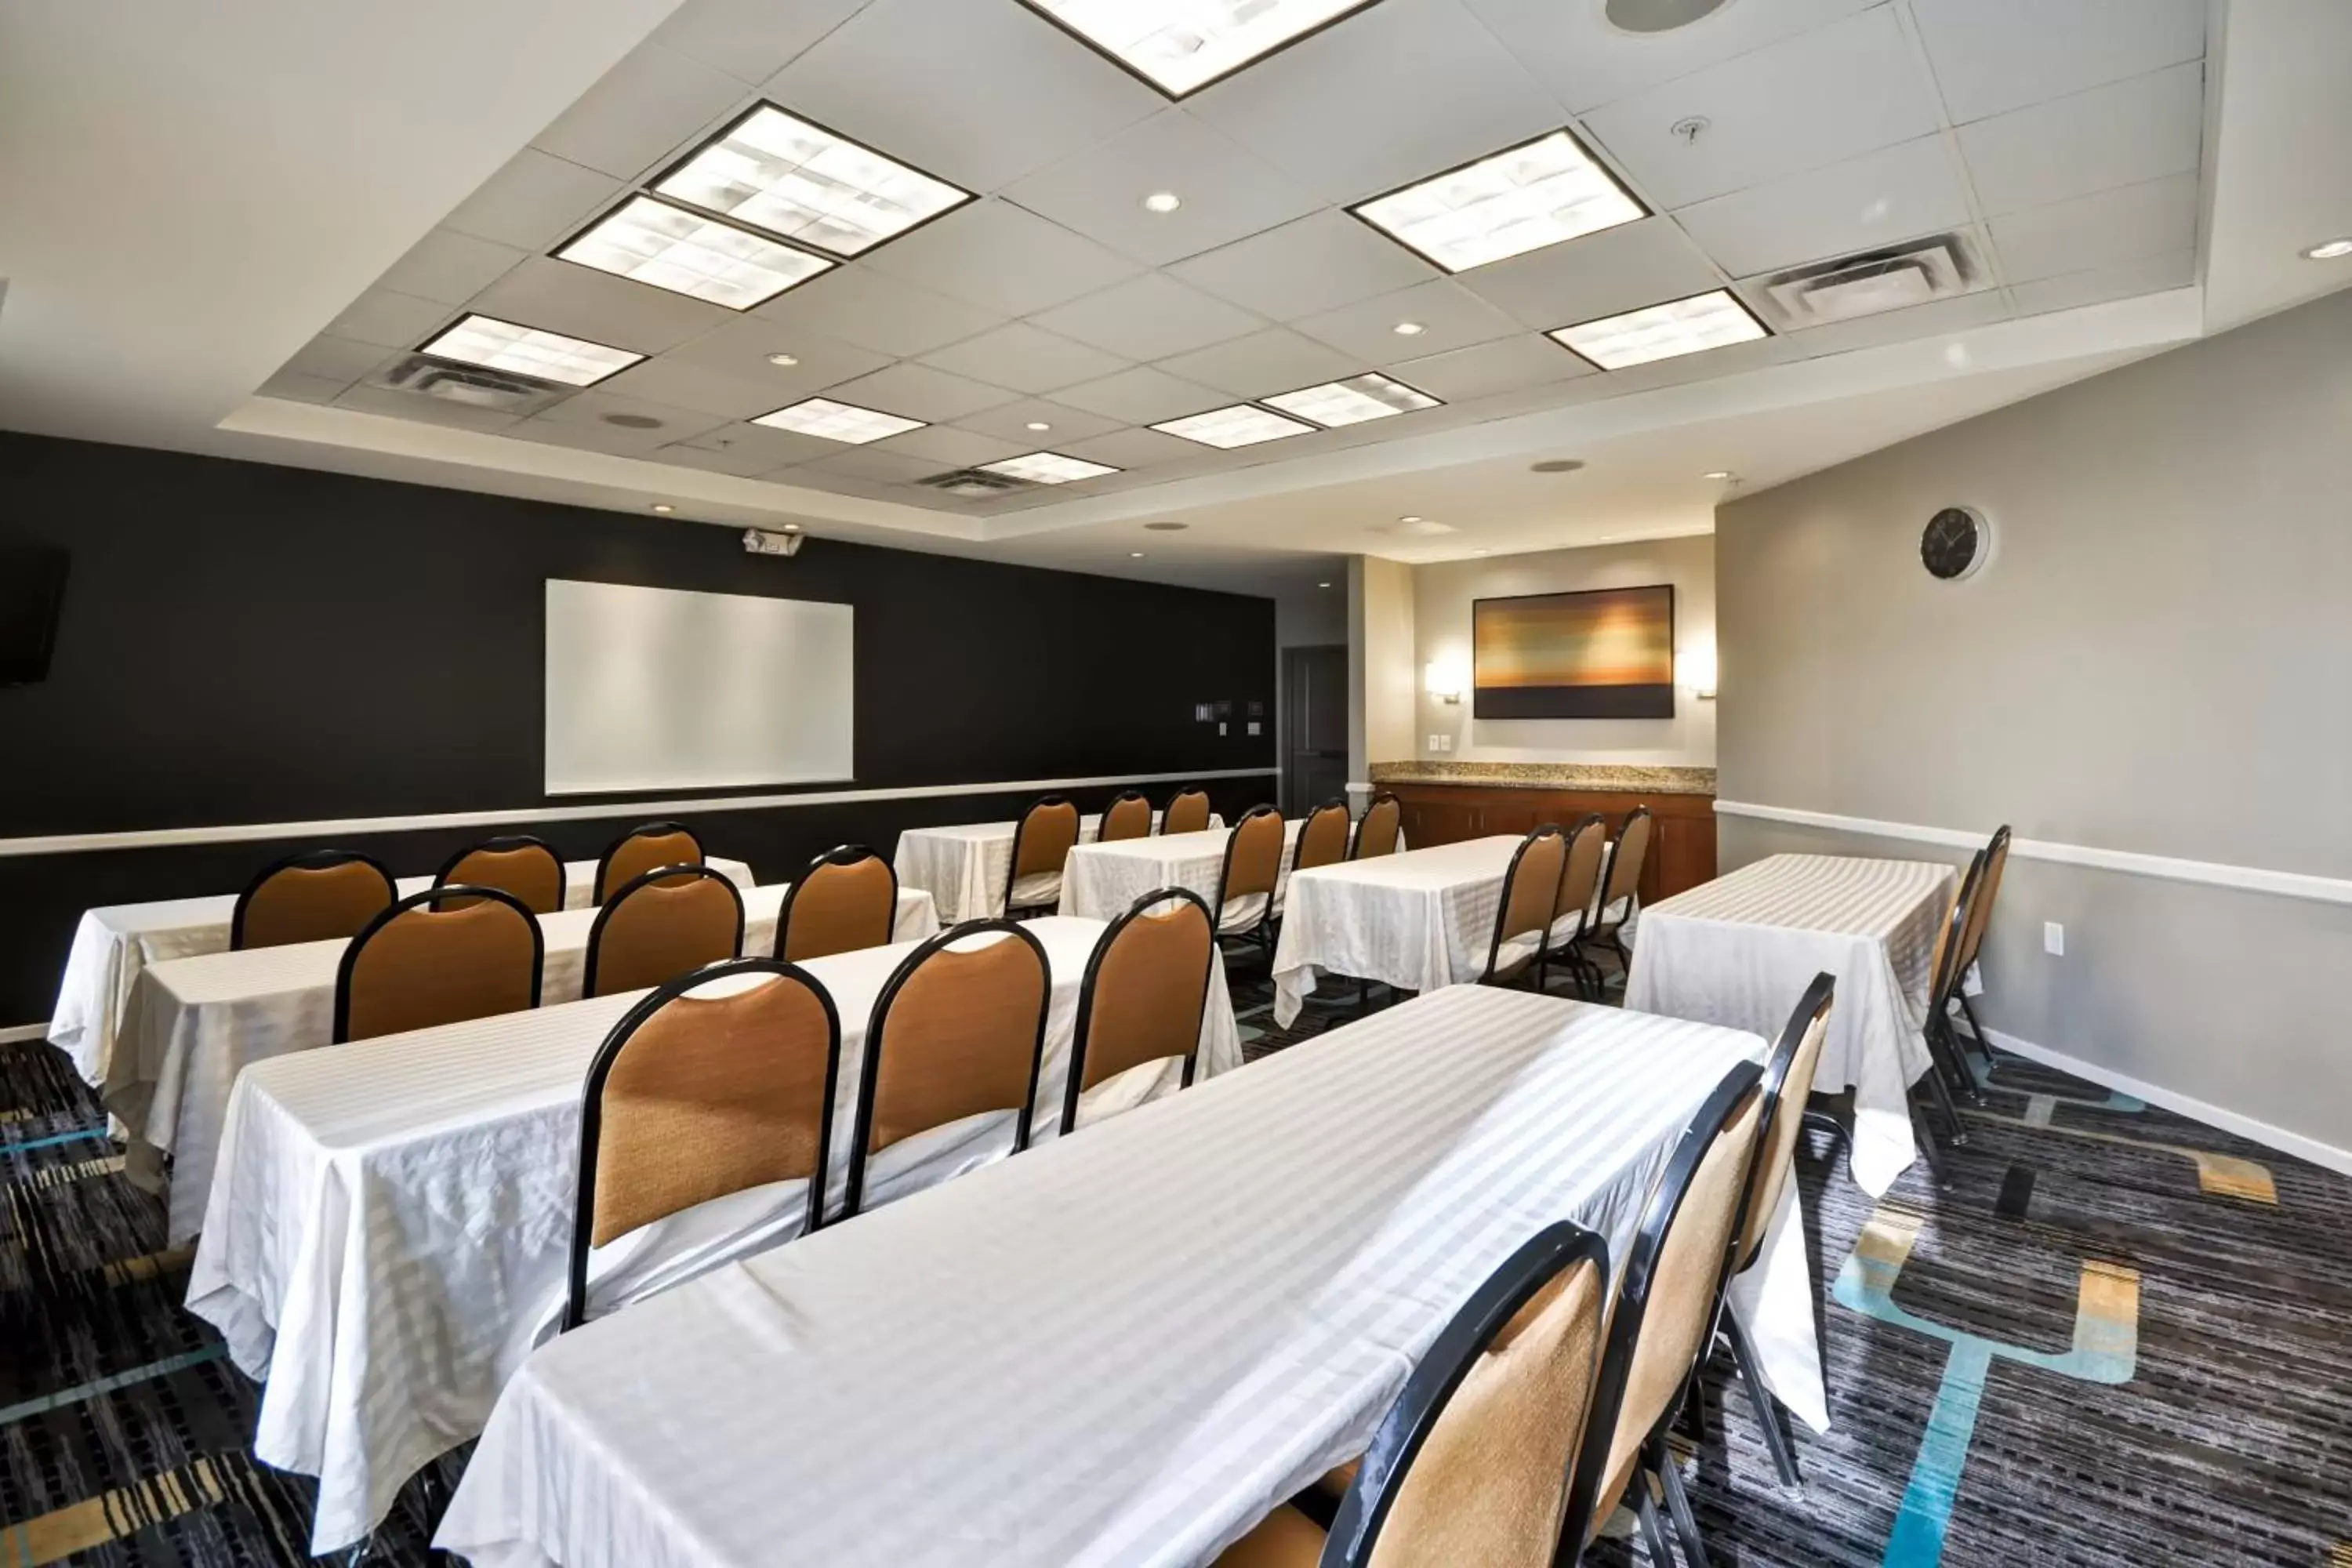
[1871, 281]
[976, 484]
[470, 384]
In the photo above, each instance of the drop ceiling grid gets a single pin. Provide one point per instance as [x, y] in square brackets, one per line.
[1022, 279]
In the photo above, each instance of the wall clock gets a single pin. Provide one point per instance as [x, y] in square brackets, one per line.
[1955, 544]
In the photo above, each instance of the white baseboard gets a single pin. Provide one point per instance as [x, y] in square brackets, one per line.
[2246, 1127]
[10, 1036]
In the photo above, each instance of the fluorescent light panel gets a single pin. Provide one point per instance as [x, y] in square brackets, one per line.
[808, 185]
[1048, 469]
[1243, 425]
[687, 253]
[844, 422]
[1679, 327]
[1352, 401]
[1179, 46]
[494, 344]
[1523, 199]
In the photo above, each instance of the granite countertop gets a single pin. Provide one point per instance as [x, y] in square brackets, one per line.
[1550, 775]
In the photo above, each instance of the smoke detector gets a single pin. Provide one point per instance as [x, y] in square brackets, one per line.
[1872, 281]
[473, 386]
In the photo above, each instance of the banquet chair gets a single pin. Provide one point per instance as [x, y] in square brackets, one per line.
[847, 899]
[958, 1030]
[640, 849]
[1128, 816]
[316, 895]
[693, 1097]
[1376, 830]
[1996, 854]
[1251, 873]
[1322, 840]
[1188, 812]
[660, 925]
[1580, 888]
[515, 863]
[1145, 993]
[1620, 889]
[1041, 841]
[1472, 1463]
[1523, 913]
[440, 956]
[1668, 1282]
[1944, 975]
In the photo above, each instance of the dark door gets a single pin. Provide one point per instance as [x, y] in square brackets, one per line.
[1314, 727]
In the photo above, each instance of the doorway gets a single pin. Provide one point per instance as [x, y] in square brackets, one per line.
[1314, 727]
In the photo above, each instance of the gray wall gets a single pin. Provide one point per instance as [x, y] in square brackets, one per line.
[2158, 658]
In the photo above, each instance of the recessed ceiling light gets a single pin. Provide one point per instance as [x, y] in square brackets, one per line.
[1409, 521]
[1322, 585]
[663, 506]
[1408, 329]
[845, 422]
[1134, 555]
[1039, 424]
[685, 253]
[1167, 527]
[526, 351]
[805, 183]
[1702, 321]
[1477, 553]
[784, 362]
[1520, 199]
[1243, 425]
[1163, 202]
[1048, 469]
[2329, 250]
[1352, 401]
[1179, 45]
[1716, 474]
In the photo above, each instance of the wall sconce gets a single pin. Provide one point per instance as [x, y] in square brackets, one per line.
[1698, 670]
[1443, 680]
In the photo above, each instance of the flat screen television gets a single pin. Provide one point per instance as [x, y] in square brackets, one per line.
[32, 589]
[1607, 653]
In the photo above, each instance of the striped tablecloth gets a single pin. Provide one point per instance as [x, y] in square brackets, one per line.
[389, 1233]
[1100, 881]
[963, 866]
[113, 944]
[1740, 949]
[193, 1024]
[1419, 920]
[1123, 1349]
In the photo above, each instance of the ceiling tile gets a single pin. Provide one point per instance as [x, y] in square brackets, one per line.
[996, 255]
[2138, 130]
[684, 384]
[1872, 200]
[1820, 97]
[751, 40]
[979, 94]
[1994, 55]
[919, 392]
[1449, 316]
[1508, 364]
[866, 463]
[1933, 319]
[739, 350]
[1392, 94]
[338, 359]
[1149, 318]
[597, 406]
[1131, 449]
[946, 447]
[535, 201]
[1315, 263]
[1142, 397]
[1011, 422]
[741, 461]
[809, 477]
[646, 107]
[1026, 358]
[2146, 275]
[293, 386]
[394, 320]
[1619, 268]
[424, 410]
[763, 444]
[449, 267]
[870, 310]
[1275, 360]
[2147, 219]
[582, 303]
[1227, 193]
[1586, 62]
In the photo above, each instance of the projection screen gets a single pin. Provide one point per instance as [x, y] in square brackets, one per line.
[652, 689]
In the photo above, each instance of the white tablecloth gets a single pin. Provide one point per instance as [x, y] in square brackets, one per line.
[191, 1024]
[111, 945]
[1419, 920]
[1121, 1350]
[1101, 880]
[388, 1237]
[1740, 949]
[963, 866]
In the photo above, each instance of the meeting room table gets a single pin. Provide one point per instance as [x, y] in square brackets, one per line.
[1417, 920]
[113, 943]
[389, 1233]
[1102, 880]
[1124, 1348]
[1740, 949]
[191, 1025]
[963, 866]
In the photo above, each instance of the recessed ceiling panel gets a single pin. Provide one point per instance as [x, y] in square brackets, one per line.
[687, 253]
[1243, 425]
[1182, 46]
[1670, 330]
[836, 421]
[1523, 198]
[526, 351]
[781, 174]
[1336, 404]
[1048, 469]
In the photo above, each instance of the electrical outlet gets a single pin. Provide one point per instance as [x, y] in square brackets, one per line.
[1254, 726]
[1441, 742]
[2053, 939]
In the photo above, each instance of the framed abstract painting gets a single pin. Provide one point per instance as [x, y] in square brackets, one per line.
[1608, 653]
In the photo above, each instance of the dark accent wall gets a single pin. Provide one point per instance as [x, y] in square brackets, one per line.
[245, 643]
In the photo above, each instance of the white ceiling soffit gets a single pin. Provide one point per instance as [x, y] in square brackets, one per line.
[2283, 180]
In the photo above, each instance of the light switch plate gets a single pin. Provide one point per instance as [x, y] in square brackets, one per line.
[2053, 939]
[1254, 726]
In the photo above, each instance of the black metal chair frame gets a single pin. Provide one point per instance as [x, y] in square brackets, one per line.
[870, 1059]
[1083, 1030]
[1582, 970]
[1604, 928]
[507, 844]
[1259, 932]
[642, 829]
[1536, 834]
[1947, 1068]
[646, 879]
[1102, 818]
[1996, 853]
[1356, 833]
[1013, 867]
[839, 855]
[1162, 825]
[399, 907]
[592, 1107]
[306, 860]
[1543, 1258]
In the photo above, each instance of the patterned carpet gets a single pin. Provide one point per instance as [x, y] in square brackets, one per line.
[2202, 1414]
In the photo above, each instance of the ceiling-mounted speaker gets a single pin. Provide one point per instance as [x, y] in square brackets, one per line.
[1657, 15]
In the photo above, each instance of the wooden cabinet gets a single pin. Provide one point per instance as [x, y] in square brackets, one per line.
[1682, 843]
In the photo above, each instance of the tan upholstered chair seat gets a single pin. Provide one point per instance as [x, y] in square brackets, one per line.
[1283, 1539]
